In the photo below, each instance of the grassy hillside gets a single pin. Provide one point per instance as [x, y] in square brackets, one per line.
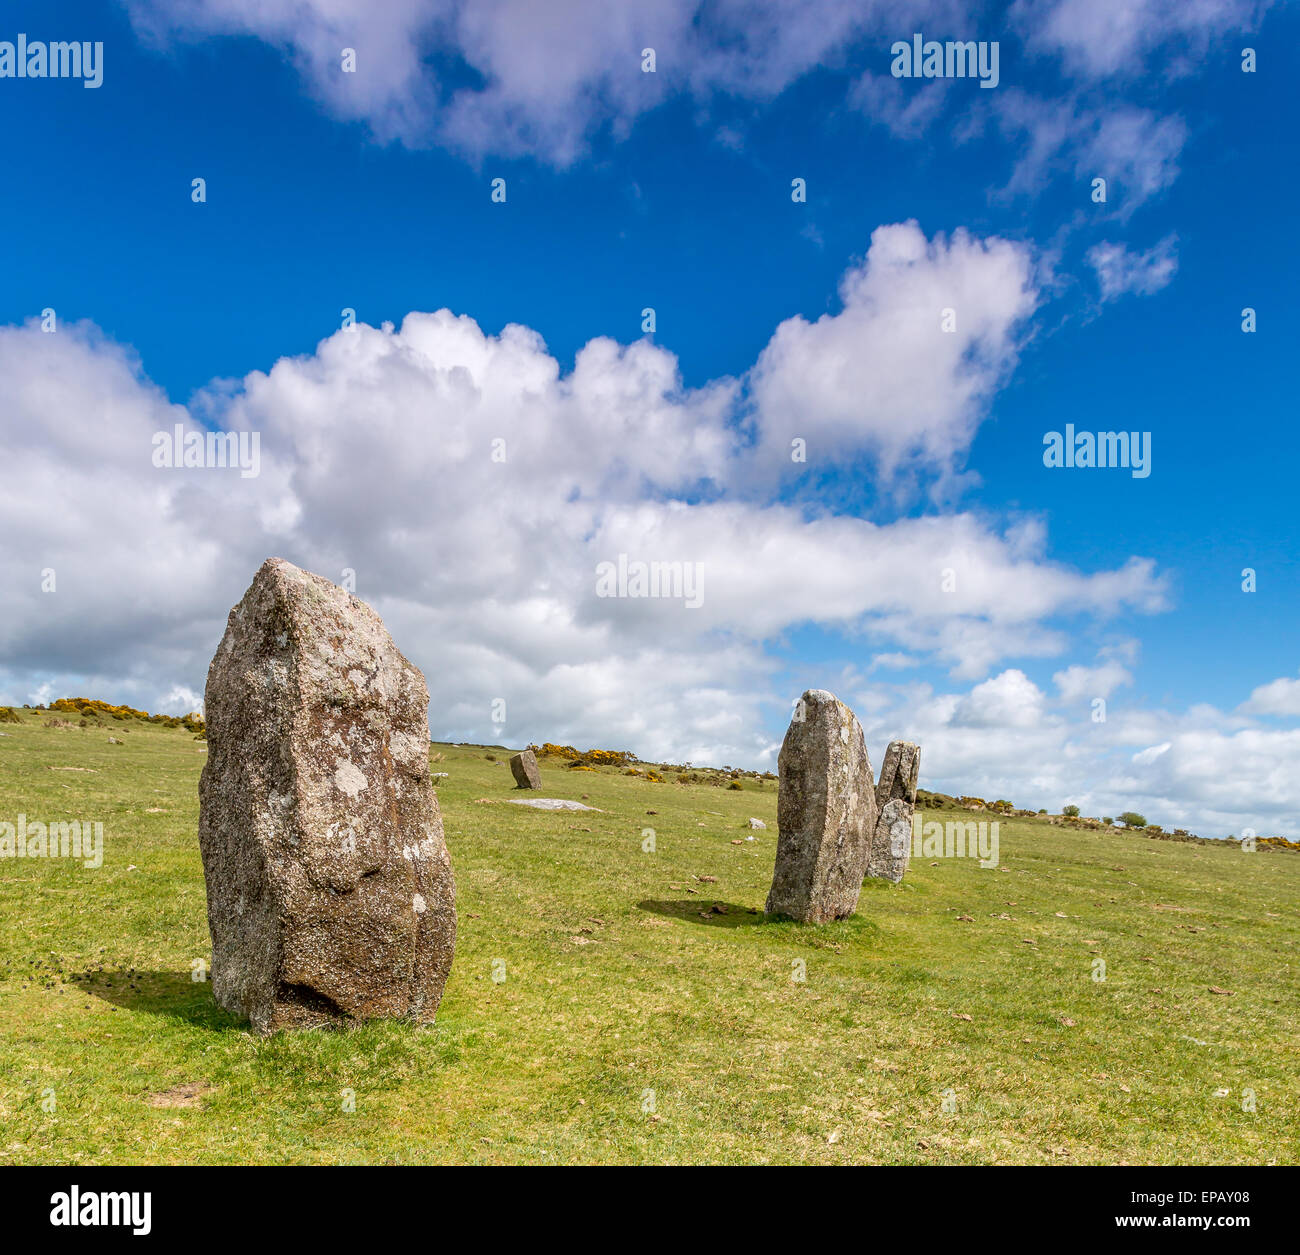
[629, 972]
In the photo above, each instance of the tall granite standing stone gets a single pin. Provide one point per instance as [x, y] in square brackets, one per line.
[524, 768]
[330, 893]
[826, 813]
[891, 844]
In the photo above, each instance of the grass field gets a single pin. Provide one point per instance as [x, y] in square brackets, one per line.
[635, 1022]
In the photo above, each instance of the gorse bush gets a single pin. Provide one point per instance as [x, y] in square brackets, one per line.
[592, 758]
[91, 708]
[9, 715]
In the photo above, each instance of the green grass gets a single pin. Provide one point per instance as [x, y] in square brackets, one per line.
[616, 985]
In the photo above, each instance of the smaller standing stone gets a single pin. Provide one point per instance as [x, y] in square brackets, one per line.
[891, 844]
[757, 823]
[524, 767]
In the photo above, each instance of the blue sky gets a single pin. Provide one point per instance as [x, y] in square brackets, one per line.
[672, 190]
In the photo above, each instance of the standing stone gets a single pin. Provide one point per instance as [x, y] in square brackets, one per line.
[891, 844]
[826, 813]
[330, 893]
[524, 768]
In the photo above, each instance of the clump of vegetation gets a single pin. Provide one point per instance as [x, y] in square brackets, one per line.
[1109, 820]
[1277, 843]
[655, 776]
[592, 758]
[729, 777]
[735, 784]
[92, 708]
[1071, 811]
[9, 715]
[1131, 819]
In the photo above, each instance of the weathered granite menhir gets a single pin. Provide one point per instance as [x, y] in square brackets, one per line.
[330, 892]
[826, 813]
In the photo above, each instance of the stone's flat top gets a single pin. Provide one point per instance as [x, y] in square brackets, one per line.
[551, 804]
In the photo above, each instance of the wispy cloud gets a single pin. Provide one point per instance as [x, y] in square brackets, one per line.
[1121, 271]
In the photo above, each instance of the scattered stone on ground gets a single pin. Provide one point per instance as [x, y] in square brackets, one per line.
[551, 804]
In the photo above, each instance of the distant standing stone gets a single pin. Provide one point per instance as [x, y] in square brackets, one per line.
[891, 844]
[330, 893]
[826, 813]
[524, 767]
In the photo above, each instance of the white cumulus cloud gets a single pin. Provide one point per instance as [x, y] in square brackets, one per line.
[474, 487]
[927, 330]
